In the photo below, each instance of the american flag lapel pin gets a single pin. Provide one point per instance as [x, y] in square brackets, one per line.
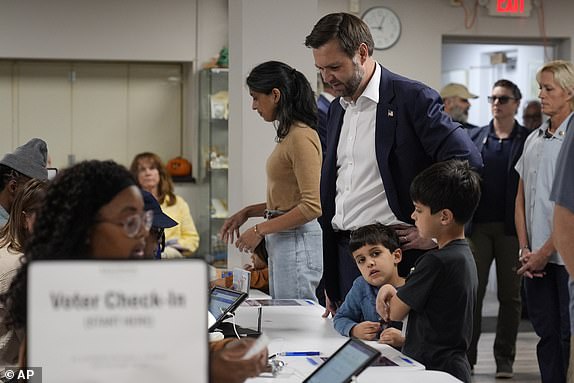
[390, 113]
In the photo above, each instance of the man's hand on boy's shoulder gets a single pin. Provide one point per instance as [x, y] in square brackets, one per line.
[366, 330]
[410, 239]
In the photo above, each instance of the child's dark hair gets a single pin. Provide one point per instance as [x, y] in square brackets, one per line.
[449, 185]
[375, 234]
[261, 251]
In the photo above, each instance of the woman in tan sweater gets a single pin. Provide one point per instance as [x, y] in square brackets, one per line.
[283, 96]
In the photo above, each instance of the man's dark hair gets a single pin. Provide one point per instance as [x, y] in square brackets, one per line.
[510, 86]
[348, 29]
[7, 174]
[449, 185]
[375, 234]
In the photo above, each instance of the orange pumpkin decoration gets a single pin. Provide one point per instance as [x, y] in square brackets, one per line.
[179, 167]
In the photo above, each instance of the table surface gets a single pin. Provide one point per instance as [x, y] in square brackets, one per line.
[301, 328]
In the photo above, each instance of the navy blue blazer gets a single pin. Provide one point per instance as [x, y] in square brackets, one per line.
[323, 105]
[478, 135]
[412, 132]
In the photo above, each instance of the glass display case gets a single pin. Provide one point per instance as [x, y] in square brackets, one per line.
[213, 162]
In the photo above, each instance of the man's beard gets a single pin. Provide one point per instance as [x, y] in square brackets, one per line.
[459, 114]
[354, 82]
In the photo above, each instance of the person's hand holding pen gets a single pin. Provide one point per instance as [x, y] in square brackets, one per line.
[366, 330]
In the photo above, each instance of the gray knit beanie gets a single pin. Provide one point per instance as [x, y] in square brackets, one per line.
[29, 159]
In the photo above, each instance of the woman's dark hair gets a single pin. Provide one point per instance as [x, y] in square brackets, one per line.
[349, 30]
[297, 101]
[64, 222]
[374, 234]
[165, 187]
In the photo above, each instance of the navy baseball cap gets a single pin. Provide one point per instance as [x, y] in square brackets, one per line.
[160, 219]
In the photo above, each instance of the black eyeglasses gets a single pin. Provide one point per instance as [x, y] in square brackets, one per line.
[501, 100]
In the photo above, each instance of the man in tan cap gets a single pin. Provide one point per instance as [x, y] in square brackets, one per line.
[455, 98]
[26, 162]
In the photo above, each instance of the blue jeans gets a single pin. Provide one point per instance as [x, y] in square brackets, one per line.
[295, 261]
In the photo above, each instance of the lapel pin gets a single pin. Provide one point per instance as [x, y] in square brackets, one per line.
[390, 113]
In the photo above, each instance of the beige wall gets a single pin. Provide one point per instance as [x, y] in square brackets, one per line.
[134, 30]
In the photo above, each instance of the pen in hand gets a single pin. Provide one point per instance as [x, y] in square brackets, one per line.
[296, 353]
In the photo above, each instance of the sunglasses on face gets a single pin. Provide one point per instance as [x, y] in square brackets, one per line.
[501, 99]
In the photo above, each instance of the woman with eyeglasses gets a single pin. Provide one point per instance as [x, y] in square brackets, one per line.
[546, 282]
[91, 210]
[283, 96]
[95, 210]
[13, 237]
[492, 231]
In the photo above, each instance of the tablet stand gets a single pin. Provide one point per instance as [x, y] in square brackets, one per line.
[227, 328]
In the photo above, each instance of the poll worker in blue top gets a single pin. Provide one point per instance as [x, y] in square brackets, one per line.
[439, 294]
[382, 130]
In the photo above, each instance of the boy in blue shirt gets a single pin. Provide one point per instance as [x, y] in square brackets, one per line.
[439, 294]
[375, 249]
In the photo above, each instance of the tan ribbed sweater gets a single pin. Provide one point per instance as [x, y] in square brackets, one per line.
[294, 172]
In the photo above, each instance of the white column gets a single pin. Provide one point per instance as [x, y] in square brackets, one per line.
[260, 30]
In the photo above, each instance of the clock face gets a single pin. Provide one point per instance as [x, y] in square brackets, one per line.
[384, 25]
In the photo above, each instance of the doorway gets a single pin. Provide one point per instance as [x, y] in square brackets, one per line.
[478, 64]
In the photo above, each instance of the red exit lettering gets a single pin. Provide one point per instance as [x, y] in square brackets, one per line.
[510, 6]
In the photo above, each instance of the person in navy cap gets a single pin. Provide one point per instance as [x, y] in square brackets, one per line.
[155, 242]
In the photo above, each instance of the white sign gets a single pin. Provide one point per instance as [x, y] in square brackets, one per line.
[122, 321]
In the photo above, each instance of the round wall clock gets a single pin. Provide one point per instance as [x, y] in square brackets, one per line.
[384, 25]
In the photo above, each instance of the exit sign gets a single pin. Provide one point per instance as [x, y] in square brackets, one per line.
[510, 8]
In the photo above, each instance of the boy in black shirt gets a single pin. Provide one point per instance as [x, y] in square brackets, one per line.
[439, 294]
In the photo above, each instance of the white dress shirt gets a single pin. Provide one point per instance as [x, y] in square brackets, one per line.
[361, 199]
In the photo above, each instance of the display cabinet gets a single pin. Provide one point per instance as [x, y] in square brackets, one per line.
[213, 162]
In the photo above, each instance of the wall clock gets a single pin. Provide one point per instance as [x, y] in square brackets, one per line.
[384, 25]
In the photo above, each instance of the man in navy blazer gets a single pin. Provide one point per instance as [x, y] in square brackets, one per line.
[381, 132]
